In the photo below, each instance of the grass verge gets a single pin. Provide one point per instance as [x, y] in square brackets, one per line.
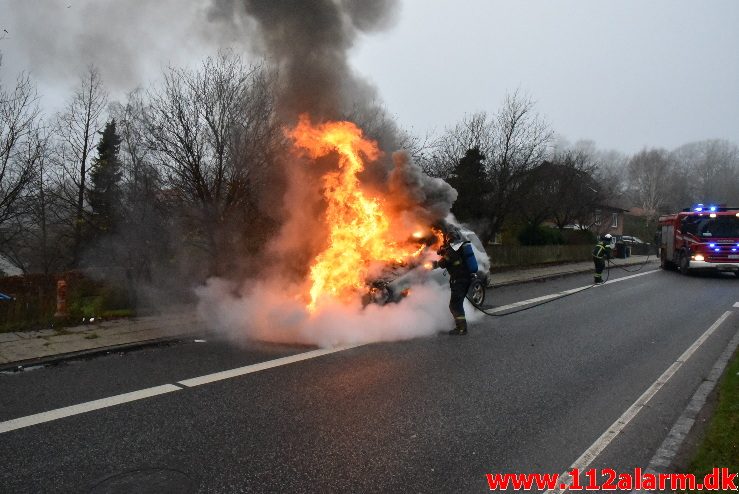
[720, 446]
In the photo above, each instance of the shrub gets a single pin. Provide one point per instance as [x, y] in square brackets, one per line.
[540, 235]
[579, 237]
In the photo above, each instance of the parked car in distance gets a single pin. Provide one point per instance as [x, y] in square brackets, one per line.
[629, 240]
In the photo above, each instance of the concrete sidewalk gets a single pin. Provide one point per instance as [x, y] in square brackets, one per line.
[27, 348]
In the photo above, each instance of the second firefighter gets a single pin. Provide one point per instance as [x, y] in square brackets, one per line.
[601, 252]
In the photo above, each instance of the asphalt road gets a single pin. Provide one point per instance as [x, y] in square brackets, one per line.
[525, 393]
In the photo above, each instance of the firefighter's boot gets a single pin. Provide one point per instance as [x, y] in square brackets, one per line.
[461, 328]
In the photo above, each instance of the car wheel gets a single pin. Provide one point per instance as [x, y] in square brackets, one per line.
[684, 264]
[476, 292]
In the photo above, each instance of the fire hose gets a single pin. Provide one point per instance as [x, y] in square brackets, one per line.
[608, 272]
[610, 264]
[535, 305]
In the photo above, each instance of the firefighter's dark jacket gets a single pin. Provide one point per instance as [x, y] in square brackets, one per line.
[601, 251]
[453, 261]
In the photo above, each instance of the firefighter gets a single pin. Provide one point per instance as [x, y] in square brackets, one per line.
[453, 260]
[601, 252]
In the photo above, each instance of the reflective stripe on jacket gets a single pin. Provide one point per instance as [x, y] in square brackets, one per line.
[599, 251]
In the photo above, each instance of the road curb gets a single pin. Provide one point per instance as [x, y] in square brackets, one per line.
[93, 352]
[664, 457]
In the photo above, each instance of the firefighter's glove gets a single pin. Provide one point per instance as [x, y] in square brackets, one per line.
[434, 264]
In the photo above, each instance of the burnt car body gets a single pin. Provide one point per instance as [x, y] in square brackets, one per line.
[395, 282]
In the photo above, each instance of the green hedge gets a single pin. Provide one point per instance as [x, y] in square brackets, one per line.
[540, 235]
[34, 301]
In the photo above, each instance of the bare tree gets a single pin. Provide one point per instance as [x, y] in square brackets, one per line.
[77, 130]
[706, 171]
[22, 148]
[418, 148]
[38, 245]
[612, 174]
[45, 240]
[521, 143]
[19, 122]
[476, 131]
[212, 130]
[562, 189]
[143, 235]
[513, 141]
[649, 171]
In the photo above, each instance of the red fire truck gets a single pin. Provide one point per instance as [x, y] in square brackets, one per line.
[700, 238]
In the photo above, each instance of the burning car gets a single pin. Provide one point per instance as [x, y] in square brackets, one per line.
[379, 243]
[396, 280]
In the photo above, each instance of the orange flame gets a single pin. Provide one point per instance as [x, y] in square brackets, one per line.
[359, 228]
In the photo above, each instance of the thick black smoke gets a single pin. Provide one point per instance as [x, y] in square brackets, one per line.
[429, 199]
[309, 41]
[129, 42]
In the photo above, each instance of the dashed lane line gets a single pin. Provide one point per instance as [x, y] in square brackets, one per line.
[111, 401]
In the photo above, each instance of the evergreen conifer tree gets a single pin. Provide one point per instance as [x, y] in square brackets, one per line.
[470, 181]
[105, 193]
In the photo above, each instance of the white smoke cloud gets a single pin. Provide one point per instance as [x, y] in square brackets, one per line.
[270, 312]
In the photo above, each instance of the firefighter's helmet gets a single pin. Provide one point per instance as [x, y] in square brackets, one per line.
[454, 236]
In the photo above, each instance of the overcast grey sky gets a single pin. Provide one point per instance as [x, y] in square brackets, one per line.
[624, 73]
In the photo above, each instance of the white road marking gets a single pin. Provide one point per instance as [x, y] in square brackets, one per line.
[218, 376]
[609, 282]
[89, 406]
[736, 304]
[669, 448]
[609, 435]
[550, 296]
